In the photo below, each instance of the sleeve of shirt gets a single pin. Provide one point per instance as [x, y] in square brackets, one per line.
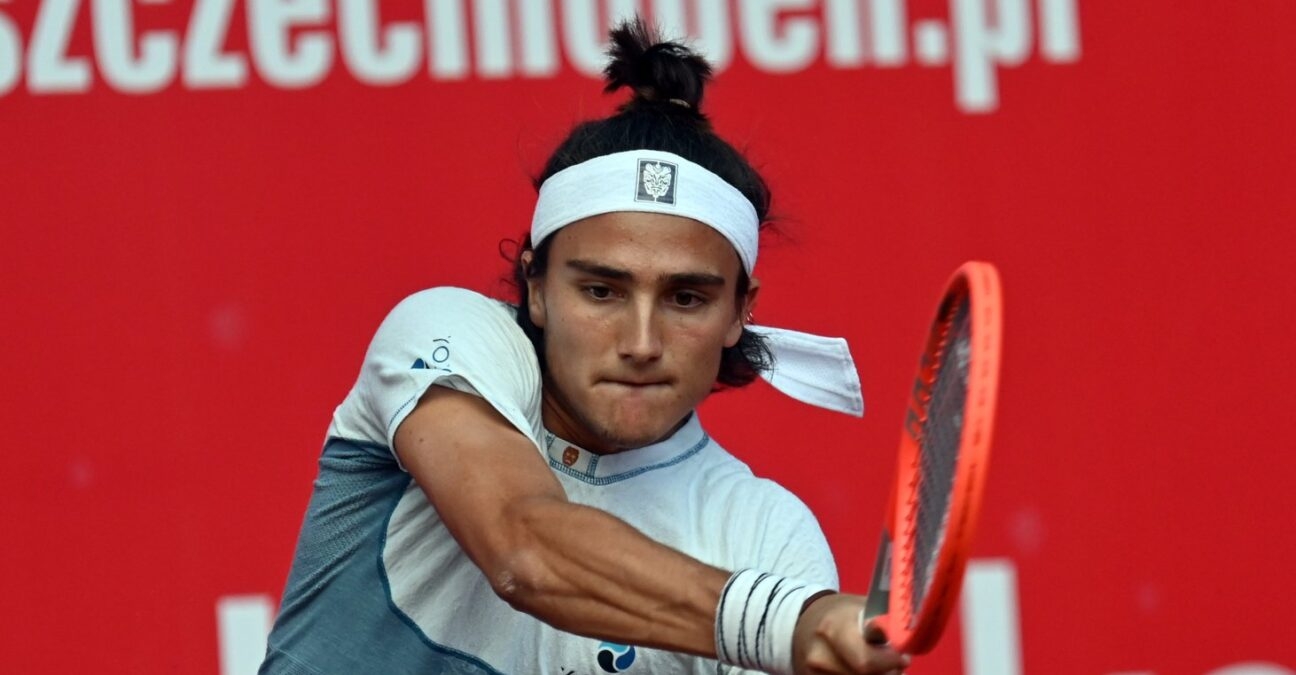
[450, 337]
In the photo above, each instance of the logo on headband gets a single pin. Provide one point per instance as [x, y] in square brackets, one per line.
[656, 181]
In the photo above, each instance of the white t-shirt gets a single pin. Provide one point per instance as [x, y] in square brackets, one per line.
[685, 492]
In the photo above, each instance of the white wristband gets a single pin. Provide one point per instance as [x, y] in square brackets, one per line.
[756, 618]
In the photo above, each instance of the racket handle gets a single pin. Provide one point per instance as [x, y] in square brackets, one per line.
[879, 593]
[874, 629]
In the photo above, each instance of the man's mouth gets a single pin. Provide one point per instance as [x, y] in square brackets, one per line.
[636, 383]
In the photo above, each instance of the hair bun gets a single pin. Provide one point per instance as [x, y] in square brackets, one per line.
[657, 70]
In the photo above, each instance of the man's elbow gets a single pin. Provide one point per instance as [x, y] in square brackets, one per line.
[523, 575]
[521, 579]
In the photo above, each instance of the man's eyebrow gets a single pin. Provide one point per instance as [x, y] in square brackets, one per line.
[675, 279]
[693, 279]
[600, 270]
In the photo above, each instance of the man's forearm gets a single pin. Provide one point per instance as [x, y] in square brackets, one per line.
[587, 572]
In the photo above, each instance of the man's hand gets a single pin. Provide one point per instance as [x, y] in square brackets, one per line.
[828, 639]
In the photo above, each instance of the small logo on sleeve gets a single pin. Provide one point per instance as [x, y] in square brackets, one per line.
[657, 181]
[615, 658]
[437, 359]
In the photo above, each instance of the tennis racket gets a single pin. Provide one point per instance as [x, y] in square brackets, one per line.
[931, 515]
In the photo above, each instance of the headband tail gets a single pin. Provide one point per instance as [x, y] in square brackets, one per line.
[813, 369]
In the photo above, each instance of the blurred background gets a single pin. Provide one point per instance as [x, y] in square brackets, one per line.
[207, 207]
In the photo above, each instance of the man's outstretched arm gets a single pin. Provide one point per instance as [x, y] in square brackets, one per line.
[581, 569]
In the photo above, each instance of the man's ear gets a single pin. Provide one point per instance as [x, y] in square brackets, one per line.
[535, 291]
[745, 310]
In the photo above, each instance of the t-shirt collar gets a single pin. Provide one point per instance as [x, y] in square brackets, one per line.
[582, 464]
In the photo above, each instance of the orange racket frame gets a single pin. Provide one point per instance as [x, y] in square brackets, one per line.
[891, 596]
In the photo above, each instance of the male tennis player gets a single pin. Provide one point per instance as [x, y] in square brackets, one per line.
[528, 490]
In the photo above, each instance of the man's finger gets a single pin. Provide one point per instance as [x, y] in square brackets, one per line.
[872, 655]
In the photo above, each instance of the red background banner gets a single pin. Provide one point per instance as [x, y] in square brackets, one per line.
[196, 254]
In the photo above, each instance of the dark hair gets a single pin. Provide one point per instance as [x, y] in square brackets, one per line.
[663, 114]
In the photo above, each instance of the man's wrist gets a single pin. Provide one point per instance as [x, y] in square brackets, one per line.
[756, 619]
[810, 600]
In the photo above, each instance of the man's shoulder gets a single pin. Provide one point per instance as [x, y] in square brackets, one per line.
[443, 307]
[734, 481]
[453, 297]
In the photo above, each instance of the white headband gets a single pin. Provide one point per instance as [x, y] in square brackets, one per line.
[811, 368]
[649, 181]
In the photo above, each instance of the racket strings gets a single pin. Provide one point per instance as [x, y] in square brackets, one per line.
[938, 447]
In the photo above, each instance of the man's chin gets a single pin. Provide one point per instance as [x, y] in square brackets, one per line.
[612, 424]
[629, 435]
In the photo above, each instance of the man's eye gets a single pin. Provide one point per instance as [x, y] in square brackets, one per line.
[688, 299]
[598, 292]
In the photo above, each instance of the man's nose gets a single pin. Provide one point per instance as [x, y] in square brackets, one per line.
[640, 338]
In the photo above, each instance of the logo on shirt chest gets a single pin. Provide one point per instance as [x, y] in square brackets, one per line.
[615, 658]
[611, 657]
